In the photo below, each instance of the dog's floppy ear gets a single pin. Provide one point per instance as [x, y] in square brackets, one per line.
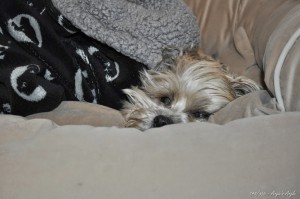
[199, 54]
[242, 85]
[169, 57]
[171, 54]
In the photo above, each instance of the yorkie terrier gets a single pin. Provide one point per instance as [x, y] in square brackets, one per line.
[190, 87]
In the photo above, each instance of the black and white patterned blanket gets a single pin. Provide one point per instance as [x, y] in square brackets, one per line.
[45, 60]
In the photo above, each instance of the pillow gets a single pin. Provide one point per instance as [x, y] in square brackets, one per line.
[78, 113]
[281, 59]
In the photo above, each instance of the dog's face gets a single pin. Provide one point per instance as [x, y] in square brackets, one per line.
[191, 88]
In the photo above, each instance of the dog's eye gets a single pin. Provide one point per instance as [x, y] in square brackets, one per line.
[201, 114]
[166, 101]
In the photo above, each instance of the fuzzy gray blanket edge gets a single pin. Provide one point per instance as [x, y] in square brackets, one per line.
[139, 29]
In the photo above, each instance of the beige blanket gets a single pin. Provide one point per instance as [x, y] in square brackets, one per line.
[258, 155]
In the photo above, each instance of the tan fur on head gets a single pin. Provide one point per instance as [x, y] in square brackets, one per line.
[187, 88]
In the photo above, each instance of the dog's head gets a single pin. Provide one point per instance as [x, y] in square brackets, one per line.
[188, 88]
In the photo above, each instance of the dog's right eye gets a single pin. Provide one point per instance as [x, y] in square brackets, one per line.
[201, 114]
[166, 101]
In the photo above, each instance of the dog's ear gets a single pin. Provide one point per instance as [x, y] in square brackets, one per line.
[199, 54]
[242, 85]
[169, 57]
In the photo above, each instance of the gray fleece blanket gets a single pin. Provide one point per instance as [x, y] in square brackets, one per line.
[139, 29]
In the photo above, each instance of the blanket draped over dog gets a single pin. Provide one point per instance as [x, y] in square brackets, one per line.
[45, 59]
[139, 29]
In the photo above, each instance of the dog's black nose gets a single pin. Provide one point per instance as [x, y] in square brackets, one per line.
[161, 120]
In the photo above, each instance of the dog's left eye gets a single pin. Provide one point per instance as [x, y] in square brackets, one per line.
[166, 101]
[201, 114]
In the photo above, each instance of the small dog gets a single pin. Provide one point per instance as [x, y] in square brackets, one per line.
[187, 88]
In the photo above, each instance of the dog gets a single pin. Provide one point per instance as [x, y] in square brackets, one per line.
[185, 88]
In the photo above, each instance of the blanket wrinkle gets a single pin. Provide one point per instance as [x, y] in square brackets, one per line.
[139, 29]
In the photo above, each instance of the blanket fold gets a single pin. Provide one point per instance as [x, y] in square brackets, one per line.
[139, 29]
